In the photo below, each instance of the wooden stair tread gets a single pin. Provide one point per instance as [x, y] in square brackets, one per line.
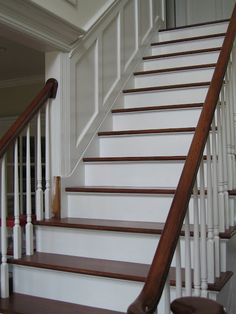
[146, 131]
[134, 159]
[86, 265]
[188, 39]
[25, 304]
[105, 224]
[182, 53]
[175, 69]
[154, 108]
[165, 87]
[194, 25]
[120, 190]
[102, 268]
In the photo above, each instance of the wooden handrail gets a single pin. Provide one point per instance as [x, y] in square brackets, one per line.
[151, 293]
[48, 91]
[196, 305]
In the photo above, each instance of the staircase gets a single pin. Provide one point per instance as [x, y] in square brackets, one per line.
[96, 257]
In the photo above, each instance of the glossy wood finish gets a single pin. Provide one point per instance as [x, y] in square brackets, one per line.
[133, 159]
[103, 268]
[195, 305]
[175, 69]
[48, 91]
[149, 297]
[118, 190]
[25, 304]
[159, 88]
[176, 54]
[146, 131]
[194, 25]
[174, 41]
[56, 204]
[154, 108]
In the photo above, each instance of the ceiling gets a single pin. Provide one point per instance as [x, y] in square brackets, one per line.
[19, 61]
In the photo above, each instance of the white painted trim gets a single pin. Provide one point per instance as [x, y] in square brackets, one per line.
[99, 14]
[34, 21]
[22, 81]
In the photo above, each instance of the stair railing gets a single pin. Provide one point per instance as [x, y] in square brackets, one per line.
[201, 200]
[16, 156]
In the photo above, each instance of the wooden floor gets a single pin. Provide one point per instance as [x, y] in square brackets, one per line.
[23, 304]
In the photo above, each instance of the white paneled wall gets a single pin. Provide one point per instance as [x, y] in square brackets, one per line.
[192, 11]
[95, 71]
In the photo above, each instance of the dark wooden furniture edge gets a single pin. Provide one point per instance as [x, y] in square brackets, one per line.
[151, 293]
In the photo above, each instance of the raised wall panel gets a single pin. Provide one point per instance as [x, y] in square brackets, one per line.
[86, 104]
[129, 32]
[110, 57]
[145, 18]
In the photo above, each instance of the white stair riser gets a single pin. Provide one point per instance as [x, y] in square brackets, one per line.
[178, 61]
[156, 119]
[146, 145]
[151, 174]
[76, 288]
[193, 31]
[113, 294]
[133, 207]
[187, 45]
[170, 96]
[110, 245]
[170, 78]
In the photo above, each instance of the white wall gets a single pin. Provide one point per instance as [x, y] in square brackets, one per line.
[81, 13]
[192, 11]
[91, 76]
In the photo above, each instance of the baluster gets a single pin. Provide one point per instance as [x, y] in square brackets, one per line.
[217, 193]
[196, 251]
[225, 167]
[39, 191]
[47, 192]
[178, 271]
[29, 226]
[228, 132]
[210, 242]
[233, 152]
[4, 265]
[167, 297]
[17, 227]
[203, 230]
[188, 275]
[21, 174]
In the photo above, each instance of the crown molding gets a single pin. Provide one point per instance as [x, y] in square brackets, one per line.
[22, 81]
[32, 20]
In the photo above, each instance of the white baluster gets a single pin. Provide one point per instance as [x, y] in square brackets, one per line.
[4, 265]
[232, 134]
[17, 227]
[29, 226]
[225, 164]
[39, 191]
[47, 193]
[178, 271]
[217, 193]
[196, 245]
[188, 274]
[203, 240]
[167, 297]
[210, 242]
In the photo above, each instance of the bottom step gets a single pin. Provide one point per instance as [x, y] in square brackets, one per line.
[24, 304]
